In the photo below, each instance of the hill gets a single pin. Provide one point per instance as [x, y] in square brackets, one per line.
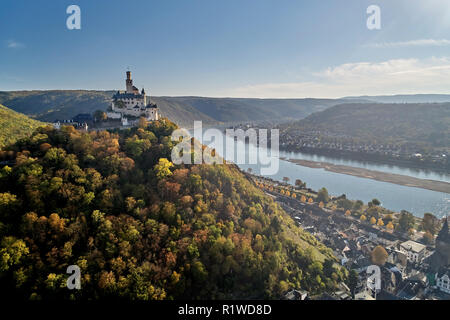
[14, 126]
[381, 131]
[393, 123]
[65, 104]
[404, 98]
[141, 228]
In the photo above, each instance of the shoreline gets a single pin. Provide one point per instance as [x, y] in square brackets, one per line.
[439, 186]
[370, 158]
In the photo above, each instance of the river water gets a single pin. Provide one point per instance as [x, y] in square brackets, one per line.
[392, 196]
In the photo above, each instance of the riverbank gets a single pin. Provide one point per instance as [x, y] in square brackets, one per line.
[439, 186]
[416, 164]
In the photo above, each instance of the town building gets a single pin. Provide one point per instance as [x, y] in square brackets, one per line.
[443, 280]
[132, 103]
[414, 251]
[295, 295]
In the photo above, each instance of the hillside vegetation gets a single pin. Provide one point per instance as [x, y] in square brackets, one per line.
[65, 104]
[420, 126]
[14, 126]
[142, 228]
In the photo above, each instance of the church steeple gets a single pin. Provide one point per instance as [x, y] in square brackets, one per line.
[444, 233]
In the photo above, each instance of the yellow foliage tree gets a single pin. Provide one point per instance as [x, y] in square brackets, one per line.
[373, 220]
[288, 194]
[380, 222]
[294, 196]
[321, 204]
[303, 199]
[348, 213]
[390, 226]
[282, 191]
[363, 218]
[310, 200]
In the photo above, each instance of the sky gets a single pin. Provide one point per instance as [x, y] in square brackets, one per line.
[228, 48]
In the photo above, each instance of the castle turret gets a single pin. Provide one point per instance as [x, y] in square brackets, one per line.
[129, 83]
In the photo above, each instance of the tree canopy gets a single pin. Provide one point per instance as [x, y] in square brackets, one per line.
[140, 227]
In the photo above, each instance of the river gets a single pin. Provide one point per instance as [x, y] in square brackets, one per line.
[392, 196]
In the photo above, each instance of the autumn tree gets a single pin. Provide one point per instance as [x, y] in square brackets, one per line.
[430, 223]
[379, 256]
[162, 169]
[100, 115]
[428, 238]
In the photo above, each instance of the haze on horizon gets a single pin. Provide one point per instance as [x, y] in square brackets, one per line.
[260, 49]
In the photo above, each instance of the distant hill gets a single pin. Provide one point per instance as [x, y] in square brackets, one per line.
[55, 104]
[405, 98]
[248, 109]
[427, 125]
[64, 104]
[14, 126]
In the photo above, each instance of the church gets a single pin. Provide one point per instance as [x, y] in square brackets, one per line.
[439, 261]
[132, 103]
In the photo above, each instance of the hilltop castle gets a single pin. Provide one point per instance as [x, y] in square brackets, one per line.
[132, 103]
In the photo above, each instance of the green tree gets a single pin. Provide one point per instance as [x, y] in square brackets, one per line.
[322, 196]
[358, 205]
[12, 250]
[406, 221]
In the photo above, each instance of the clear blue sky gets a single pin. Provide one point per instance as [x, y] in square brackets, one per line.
[247, 48]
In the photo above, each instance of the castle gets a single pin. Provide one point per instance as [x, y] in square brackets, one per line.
[132, 103]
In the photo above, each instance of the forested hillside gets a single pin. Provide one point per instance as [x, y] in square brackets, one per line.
[65, 104]
[421, 126]
[140, 227]
[14, 126]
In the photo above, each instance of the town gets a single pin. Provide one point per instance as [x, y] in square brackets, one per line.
[411, 267]
[325, 142]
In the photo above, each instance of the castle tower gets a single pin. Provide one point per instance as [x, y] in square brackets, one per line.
[129, 83]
